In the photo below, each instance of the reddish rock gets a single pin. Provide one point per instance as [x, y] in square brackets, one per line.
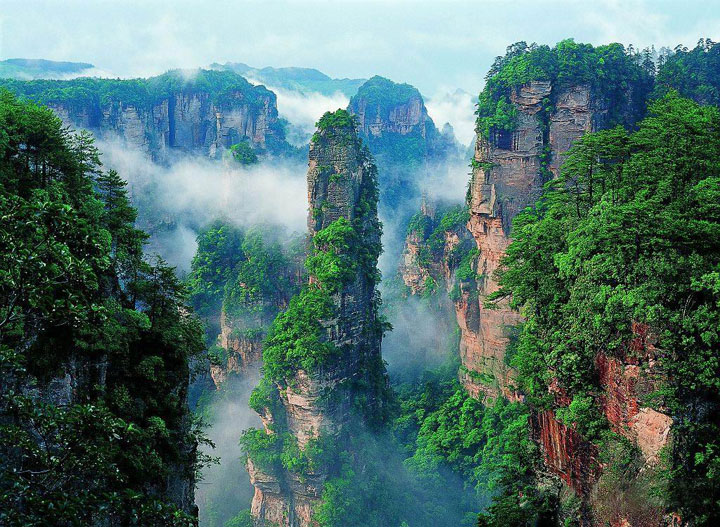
[625, 380]
[506, 178]
[566, 453]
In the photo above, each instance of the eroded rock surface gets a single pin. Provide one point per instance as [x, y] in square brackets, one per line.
[341, 184]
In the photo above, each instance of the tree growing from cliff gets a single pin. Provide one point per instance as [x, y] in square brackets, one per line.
[95, 342]
[243, 153]
[629, 234]
[610, 71]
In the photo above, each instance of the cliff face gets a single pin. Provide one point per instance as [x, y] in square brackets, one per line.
[319, 403]
[509, 171]
[435, 243]
[202, 114]
[243, 346]
[508, 175]
[406, 117]
[183, 122]
[626, 381]
[394, 124]
[243, 327]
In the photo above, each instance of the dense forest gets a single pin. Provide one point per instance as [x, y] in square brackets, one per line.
[589, 232]
[96, 343]
[142, 93]
[628, 235]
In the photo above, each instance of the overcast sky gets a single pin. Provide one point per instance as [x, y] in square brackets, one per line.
[434, 45]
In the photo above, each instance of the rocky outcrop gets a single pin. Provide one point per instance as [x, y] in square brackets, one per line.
[321, 403]
[565, 452]
[626, 380]
[509, 171]
[379, 116]
[241, 335]
[243, 348]
[242, 321]
[507, 176]
[394, 124]
[203, 113]
[433, 247]
[184, 123]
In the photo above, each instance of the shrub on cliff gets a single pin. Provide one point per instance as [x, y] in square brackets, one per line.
[610, 71]
[630, 233]
[244, 273]
[243, 153]
[95, 341]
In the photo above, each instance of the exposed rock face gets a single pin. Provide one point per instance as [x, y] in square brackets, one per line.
[243, 345]
[431, 250]
[394, 124]
[413, 274]
[565, 452]
[184, 122]
[404, 118]
[243, 325]
[204, 114]
[508, 176]
[509, 172]
[341, 184]
[625, 380]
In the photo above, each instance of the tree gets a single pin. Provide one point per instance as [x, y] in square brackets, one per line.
[95, 341]
[629, 234]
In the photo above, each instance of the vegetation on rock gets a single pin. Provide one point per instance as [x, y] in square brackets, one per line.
[629, 235]
[609, 71]
[95, 342]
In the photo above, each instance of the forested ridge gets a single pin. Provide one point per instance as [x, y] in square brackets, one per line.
[628, 237]
[619, 248]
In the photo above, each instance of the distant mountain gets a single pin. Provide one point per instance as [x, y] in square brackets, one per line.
[394, 123]
[297, 79]
[200, 112]
[28, 69]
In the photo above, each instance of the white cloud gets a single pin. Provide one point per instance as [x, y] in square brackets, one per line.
[427, 44]
[304, 109]
[192, 192]
[457, 108]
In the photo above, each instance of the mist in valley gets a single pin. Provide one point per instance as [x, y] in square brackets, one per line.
[225, 488]
[176, 200]
[179, 198]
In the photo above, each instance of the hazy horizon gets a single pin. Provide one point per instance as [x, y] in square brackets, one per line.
[435, 46]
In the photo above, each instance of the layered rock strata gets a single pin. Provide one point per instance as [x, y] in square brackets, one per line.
[509, 171]
[394, 124]
[204, 113]
[322, 402]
